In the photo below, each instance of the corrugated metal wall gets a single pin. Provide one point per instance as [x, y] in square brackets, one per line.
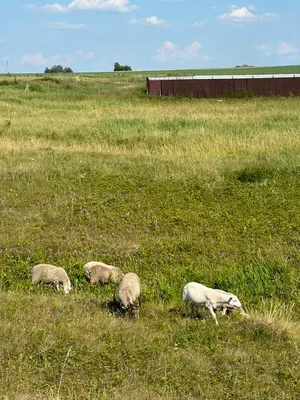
[219, 87]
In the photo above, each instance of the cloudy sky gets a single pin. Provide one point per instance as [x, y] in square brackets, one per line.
[90, 35]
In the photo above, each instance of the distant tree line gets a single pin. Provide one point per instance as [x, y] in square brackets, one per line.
[244, 66]
[58, 69]
[118, 67]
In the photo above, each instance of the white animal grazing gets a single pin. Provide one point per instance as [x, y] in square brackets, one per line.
[90, 264]
[129, 292]
[103, 274]
[51, 274]
[99, 272]
[212, 300]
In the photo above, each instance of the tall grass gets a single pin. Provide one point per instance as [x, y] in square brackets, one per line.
[176, 190]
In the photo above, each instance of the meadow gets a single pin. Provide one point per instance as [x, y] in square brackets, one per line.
[174, 189]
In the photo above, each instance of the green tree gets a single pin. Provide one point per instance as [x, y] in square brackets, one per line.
[119, 67]
[68, 70]
[58, 69]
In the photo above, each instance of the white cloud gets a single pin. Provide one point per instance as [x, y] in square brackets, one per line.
[65, 25]
[206, 58]
[245, 15]
[96, 5]
[168, 52]
[155, 21]
[65, 59]
[237, 15]
[148, 21]
[38, 59]
[285, 48]
[169, 45]
[55, 8]
[280, 49]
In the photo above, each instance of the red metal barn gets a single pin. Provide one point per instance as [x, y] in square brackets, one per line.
[222, 85]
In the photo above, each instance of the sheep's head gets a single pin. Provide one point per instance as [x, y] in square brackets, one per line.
[234, 302]
[133, 310]
[67, 288]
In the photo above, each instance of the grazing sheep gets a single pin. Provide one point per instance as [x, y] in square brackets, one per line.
[103, 273]
[51, 274]
[87, 267]
[129, 292]
[211, 299]
[90, 264]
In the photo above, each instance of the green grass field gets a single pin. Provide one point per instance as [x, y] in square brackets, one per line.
[176, 190]
[288, 69]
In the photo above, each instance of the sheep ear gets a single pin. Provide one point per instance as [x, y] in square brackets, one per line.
[229, 300]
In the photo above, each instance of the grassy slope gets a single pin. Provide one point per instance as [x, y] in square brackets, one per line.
[288, 69]
[176, 190]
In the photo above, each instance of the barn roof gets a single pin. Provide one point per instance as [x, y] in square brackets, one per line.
[167, 78]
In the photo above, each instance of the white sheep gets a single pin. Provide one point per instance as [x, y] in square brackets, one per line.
[51, 274]
[91, 264]
[129, 292]
[211, 299]
[99, 272]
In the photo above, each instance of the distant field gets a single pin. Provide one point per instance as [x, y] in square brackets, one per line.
[177, 190]
[289, 69]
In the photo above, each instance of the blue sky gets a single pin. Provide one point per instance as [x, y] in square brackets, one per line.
[90, 35]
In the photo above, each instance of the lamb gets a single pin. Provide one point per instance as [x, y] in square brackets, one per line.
[129, 292]
[211, 299]
[51, 274]
[99, 272]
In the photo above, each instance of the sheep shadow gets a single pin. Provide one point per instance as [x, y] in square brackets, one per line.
[115, 308]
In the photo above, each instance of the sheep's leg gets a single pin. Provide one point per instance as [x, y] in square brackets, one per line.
[224, 311]
[57, 287]
[186, 308]
[194, 313]
[212, 313]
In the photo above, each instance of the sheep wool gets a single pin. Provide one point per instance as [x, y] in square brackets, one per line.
[129, 292]
[90, 264]
[102, 273]
[51, 274]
